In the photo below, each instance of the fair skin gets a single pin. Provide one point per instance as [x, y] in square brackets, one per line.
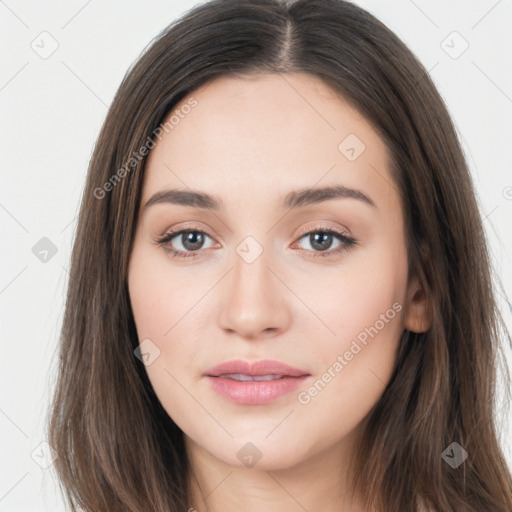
[249, 142]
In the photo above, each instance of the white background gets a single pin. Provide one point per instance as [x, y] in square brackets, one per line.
[51, 113]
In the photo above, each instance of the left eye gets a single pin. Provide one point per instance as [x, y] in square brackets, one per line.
[193, 240]
[323, 240]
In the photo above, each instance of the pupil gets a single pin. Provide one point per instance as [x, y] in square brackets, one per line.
[193, 240]
[323, 237]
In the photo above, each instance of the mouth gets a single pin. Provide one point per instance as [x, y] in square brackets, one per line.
[239, 369]
[241, 377]
[255, 383]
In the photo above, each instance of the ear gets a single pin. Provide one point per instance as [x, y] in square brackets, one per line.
[418, 316]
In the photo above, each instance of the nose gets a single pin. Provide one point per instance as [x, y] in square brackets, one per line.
[255, 299]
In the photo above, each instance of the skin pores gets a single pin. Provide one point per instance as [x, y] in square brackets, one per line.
[249, 142]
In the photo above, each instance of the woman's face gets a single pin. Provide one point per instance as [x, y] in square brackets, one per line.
[278, 270]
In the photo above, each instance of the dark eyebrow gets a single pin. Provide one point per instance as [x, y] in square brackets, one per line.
[185, 198]
[307, 196]
[294, 199]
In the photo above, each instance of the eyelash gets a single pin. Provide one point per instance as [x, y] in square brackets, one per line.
[347, 242]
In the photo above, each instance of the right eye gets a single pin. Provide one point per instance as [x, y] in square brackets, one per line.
[193, 241]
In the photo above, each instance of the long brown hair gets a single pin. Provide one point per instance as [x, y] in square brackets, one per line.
[118, 450]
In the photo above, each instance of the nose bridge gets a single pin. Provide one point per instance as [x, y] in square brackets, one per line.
[251, 273]
[253, 301]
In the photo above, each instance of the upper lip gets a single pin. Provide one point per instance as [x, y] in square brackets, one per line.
[264, 367]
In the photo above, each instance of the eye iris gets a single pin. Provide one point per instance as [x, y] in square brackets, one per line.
[320, 244]
[194, 238]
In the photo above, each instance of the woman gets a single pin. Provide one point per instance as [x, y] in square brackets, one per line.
[282, 293]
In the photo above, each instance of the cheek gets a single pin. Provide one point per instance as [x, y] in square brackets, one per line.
[159, 298]
[363, 308]
[355, 296]
[166, 311]
[355, 366]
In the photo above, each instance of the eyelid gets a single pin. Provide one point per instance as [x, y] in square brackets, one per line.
[304, 230]
[171, 233]
[319, 227]
[184, 227]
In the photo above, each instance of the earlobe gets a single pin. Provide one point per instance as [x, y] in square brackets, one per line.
[418, 316]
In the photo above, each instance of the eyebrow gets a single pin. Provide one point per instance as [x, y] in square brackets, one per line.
[294, 199]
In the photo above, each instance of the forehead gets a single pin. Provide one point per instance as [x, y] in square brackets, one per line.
[250, 135]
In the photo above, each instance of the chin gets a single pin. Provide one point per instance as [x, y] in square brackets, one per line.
[259, 454]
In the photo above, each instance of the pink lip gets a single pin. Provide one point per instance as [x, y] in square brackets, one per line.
[253, 392]
[264, 367]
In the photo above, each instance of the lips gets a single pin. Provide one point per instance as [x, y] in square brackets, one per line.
[258, 383]
[241, 377]
[259, 370]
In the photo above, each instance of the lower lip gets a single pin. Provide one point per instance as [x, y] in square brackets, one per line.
[254, 392]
